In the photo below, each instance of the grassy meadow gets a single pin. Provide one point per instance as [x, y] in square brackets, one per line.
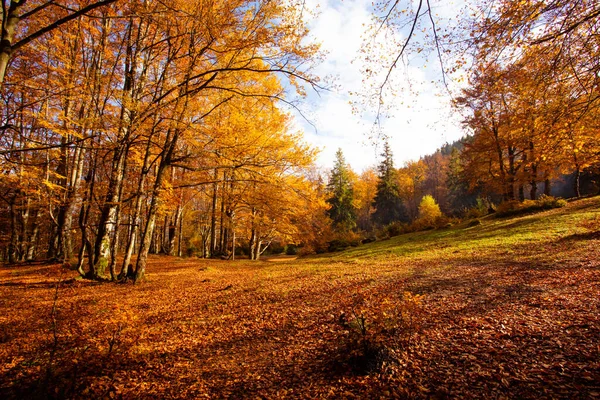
[509, 308]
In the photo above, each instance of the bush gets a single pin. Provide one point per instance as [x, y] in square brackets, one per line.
[343, 240]
[473, 223]
[377, 328]
[291, 250]
[191, 251]
[514, 207]
[338, 245]
[508, 207]
[481, 208]
[395, 229]
[369, 239]
[276, 248]
[429, 210]
[549, 202]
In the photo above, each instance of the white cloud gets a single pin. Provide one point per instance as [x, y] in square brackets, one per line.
[420, 121]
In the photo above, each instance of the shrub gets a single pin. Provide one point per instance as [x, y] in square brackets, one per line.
[395, 229]
[343, 240]
[378, 327]
[480, 209]
[369, 239]
[276, 248]
[429, 210]
[549, 202]
[191, 251]
[291, 250]
[508, 207]
[338, 245]
[473, 223]
[514, 207]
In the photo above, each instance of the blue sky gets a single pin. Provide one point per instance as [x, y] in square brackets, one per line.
[420, 117]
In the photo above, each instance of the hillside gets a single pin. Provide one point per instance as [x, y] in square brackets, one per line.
[508, 308]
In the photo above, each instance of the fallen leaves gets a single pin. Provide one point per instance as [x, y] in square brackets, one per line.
[490, 326]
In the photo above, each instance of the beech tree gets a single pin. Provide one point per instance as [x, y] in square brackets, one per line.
[119, 123]
[40, 18]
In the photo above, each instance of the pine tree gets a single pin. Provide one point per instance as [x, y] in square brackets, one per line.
[388, 204]
[342, 210]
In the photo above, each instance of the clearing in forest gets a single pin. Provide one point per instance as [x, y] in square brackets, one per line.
[507, 308]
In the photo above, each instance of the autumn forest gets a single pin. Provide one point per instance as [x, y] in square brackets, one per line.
[167, 232]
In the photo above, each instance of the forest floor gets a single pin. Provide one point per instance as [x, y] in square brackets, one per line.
[506, 309]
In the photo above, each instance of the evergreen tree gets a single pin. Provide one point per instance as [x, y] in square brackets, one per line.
[388, 204]
[339, 188]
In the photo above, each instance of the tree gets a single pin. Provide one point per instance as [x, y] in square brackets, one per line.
[341, 195]
[107, 123]
[460, 197]
[429, 210]
[15, 12]
[365, 188]
[388, 203]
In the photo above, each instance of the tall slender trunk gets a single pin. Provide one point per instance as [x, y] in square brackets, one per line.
[165, 161]
[253, 236]
[521, 192]
[108, 216]
[84, 213]
[213, 217]
[172, 230]
[137, 211]
[222, 228]
[33, 236]
[232, 236]
[180, 237]
[510, 184]
[110, 208]
[66, 242]
[547, 187]
[24, 225]
[114, 247]
[577, 181]
[13, 246]
[533, 177]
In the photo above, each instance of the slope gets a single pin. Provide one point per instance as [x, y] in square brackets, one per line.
[507, 308]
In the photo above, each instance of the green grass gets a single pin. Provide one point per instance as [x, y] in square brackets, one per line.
[492, 236]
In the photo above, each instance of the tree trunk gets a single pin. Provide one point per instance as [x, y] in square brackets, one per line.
[169, 148]
[136, 217]
[232, 236]
[10, 21]
[66, 242]
[521, 193]
[180, 236]
[534, 172]
[213, 217]
[13, 245]
[108, 217]
[114, 245]
[84, 213]
[172, 231]
[577, 181]
[547, 187]
[33, 237]
[510, 187]
[253, 236]
[223, 229]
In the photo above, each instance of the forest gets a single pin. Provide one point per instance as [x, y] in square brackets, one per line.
[153, 144]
